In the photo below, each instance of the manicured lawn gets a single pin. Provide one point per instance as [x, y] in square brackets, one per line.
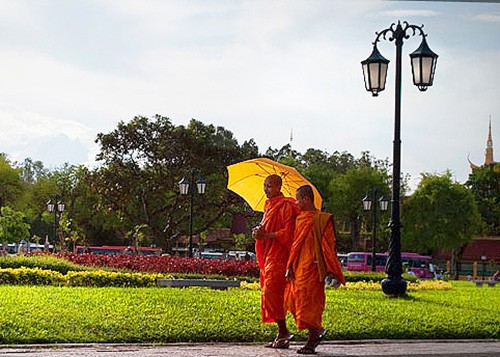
[44, 314]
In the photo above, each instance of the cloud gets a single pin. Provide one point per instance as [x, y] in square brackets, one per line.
[487, 18]
[27, 134]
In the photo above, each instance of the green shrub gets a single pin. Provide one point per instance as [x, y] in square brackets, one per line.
[30, 276]
[42, 261]
[97, 278]
[102, 278]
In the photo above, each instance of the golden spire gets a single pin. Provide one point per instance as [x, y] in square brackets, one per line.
[489, 148]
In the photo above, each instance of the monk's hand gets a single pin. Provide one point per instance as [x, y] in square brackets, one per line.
[257, 233]
[331, 281]
[289, 275]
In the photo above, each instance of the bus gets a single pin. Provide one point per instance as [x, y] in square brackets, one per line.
[362, 261]
[413, 263]
[417, 265]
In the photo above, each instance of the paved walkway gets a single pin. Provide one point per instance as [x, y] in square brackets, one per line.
[412, 348]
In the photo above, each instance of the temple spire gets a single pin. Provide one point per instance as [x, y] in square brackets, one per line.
[489, 148]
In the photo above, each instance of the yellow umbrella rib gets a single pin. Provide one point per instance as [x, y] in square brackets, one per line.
[243, 178]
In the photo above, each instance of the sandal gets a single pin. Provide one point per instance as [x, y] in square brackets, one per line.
[280, 343]
[320, 337]
[311, 350]
[306, 350]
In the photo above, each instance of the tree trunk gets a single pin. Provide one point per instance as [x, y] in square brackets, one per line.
[457, 261]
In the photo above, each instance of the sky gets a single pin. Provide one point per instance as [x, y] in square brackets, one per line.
[262, 69]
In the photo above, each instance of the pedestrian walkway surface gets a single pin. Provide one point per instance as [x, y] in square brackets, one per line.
[456, 348]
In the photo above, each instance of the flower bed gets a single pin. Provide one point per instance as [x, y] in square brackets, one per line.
[171, 265]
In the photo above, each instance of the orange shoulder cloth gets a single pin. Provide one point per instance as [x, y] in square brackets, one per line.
[320, 221]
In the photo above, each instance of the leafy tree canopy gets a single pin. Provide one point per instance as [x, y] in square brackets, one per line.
[11, 187]
[143, 161]
[13, 229]
[441, 214]
[485, 186]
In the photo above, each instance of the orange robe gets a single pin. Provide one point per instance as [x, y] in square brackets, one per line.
[272, 255]
[313, 254]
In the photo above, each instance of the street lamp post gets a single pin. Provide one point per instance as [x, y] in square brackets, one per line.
[370, 198]
[423, 62]
[184, 188]
[56, 205]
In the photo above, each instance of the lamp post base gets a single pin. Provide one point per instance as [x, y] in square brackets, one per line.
[394, 286]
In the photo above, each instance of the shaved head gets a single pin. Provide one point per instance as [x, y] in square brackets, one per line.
[272, 186]
[306, 191]
[275, 179]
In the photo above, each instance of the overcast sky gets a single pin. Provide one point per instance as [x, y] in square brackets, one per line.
[72, 69]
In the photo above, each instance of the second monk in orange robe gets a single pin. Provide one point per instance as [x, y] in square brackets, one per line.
[274, 238]
[313, 258]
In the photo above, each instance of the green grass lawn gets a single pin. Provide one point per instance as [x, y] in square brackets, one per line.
[46, 314]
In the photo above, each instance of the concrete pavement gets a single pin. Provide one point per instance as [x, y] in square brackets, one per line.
[406, 348]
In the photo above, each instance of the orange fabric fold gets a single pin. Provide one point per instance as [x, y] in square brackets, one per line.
[272, 255]
[312, 256]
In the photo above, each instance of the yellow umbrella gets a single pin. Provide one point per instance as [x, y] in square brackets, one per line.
[246, 178]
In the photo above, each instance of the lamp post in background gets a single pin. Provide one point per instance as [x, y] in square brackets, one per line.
[370, 198]
[187, 186]
[423, 62]
[56, 205]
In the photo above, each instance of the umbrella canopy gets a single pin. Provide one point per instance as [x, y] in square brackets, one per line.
[246, 178]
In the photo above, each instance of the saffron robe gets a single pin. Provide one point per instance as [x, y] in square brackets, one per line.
[272, 254]
[312, 256]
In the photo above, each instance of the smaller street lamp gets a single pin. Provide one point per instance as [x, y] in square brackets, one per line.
[56, 205]
[184, 185]
[367, 206]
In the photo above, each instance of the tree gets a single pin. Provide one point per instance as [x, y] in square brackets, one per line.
[72, 234]
[441, 214]
[11, 186]
[32, 170]
[347, 192]
[13, 229]
[484, 184]
[143, 161]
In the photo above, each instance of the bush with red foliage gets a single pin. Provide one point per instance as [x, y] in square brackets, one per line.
[168, 265]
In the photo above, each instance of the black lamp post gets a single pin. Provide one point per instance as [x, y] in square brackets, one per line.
[423, 62]
[371, 197]
[56, 205]
[184, 186]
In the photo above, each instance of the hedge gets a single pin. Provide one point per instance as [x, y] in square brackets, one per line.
[98, 278]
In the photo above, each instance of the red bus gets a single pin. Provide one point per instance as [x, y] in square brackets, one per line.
[413, 263]
[116, 249]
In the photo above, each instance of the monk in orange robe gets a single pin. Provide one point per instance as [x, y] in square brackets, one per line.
[313, 258]
[273, 240]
